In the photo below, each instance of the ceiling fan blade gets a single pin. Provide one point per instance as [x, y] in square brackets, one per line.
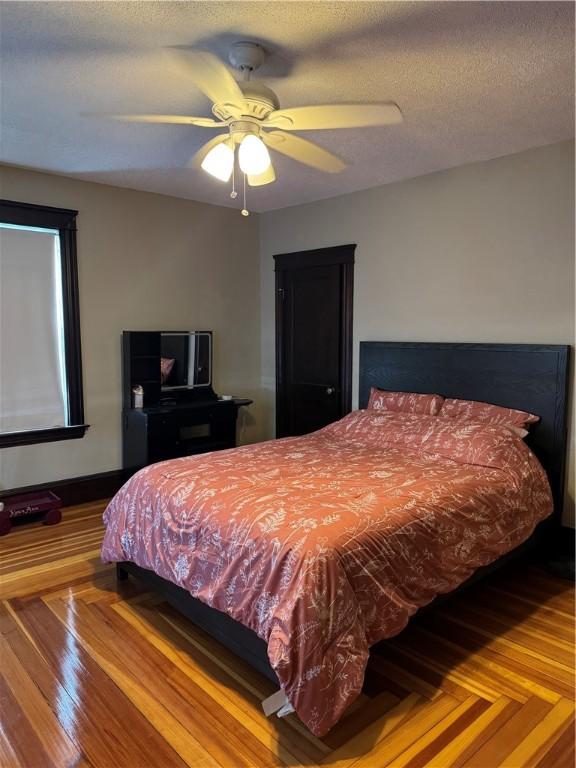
[303, 151]
[204, 122]
[263, 178]
[196, 160]
[327, 116]
[213, 79]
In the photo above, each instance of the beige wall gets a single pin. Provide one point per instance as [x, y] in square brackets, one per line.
[145, 261]
[484, 252]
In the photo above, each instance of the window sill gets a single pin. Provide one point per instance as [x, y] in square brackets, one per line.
[31, 437]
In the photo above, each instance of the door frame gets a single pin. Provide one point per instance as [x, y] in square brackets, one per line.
[285, 262]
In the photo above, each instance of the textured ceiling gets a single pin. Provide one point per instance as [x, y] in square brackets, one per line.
[475, 80]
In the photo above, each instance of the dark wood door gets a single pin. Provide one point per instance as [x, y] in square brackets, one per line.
[313, 338]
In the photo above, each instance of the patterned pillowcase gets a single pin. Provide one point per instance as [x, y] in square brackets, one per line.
[472, 410]
[166, 365]
[405, 402]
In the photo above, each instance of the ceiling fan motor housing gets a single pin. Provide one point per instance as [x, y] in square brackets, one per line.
[260, 102]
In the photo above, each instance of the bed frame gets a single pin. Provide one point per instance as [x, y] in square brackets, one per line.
[529, 377]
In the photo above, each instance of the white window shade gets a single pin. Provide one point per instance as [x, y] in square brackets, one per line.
[32, 367]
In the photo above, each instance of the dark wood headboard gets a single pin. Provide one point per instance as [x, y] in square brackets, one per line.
[530, 377]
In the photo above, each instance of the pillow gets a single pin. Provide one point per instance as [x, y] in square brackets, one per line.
[405, 402]
[166, 365]
[473, 410]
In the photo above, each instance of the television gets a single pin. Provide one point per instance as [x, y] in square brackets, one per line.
[185, 359]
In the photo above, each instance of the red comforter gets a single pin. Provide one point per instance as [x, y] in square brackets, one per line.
[327, 543]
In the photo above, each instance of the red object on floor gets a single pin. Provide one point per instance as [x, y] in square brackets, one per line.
[43, 505]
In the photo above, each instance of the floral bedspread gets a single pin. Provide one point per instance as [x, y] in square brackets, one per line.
[327, 543]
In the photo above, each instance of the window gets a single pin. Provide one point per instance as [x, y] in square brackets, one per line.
[40, 358]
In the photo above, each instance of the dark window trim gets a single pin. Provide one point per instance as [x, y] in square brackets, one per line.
[64, 220]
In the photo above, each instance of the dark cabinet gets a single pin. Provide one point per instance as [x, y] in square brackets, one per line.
[159, 433]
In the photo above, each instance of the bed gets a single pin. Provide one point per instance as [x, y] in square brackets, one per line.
[301, 553]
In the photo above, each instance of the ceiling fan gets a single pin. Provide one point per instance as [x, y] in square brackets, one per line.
[251, 114]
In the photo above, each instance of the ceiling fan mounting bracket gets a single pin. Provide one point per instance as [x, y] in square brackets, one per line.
[246, 56]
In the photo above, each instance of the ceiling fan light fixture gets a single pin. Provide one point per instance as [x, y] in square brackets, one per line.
[219, 162]
[253, 156]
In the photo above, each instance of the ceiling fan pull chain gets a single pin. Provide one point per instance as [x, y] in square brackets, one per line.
[234, 194]
[245, 211]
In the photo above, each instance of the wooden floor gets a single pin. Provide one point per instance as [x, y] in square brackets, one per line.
[92, 676]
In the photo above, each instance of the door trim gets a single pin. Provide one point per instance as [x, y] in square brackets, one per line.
[319, 257]
[339, 254]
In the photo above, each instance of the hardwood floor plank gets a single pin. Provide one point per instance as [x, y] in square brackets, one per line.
[450, 668]
[408, 681]
[73, 520]
[73, 719]
[504, 678]
[497, 749]
[361, 718]
[469, 741]
[543, 644]
[474, 638]
[402, 658]
[115, 731]
[24, 743]
[537, 619]
[44, 554]
[561, 753]
[396, 742]
[365, 740]
[47, 575]
[525, 604]
[424, 750]
[537, 743]
[64, 535]
[8, 757]
[38, 713]
[537, 587]
[103, 587]
[531, 597]
[157, 687]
